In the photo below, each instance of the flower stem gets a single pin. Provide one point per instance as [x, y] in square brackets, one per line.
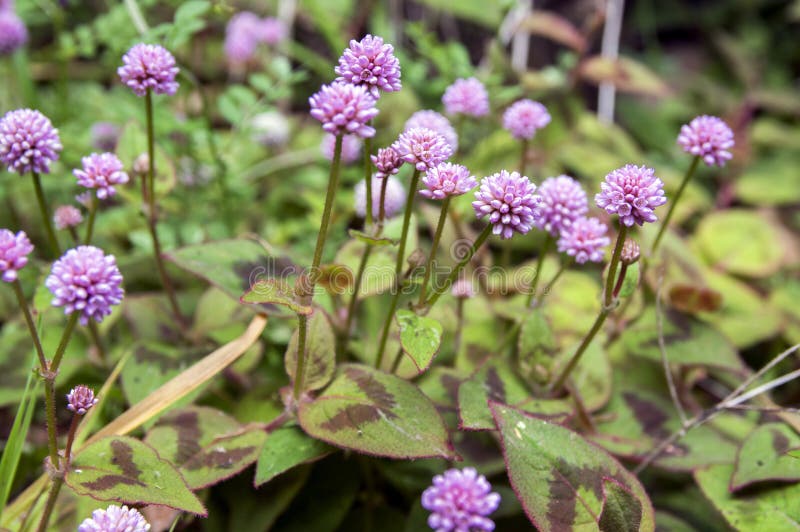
[50, 416]
[523, 156]
[73, 427]
[368, 180]
[152, 217]
[94, 332]
[598, 323]
[434, 247]
[62, 345]
[351, 309]
[44, 209]
[548, 241]
[382, 206]
[460, 266]
[608, 295]
[674, 202]
[313, 276]
[623, 270]
[23, 305]
[52, 496]
[398, 269]
[90, 223]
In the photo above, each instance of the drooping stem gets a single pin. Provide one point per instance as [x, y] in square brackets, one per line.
[608, 295]
[23, 305]
[673, 203]
[152, 215]
[368, 180]
[313, 275]
[598, 323]
[548, 241]
[460, 266]
[44, 209]
[300, 368]
[90, 223]
[434, 247]
[398, 270]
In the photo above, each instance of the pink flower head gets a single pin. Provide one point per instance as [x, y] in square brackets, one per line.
[509, 200]
[563, 201]
[466, 96]
[371, 63]
[28, 142]
[436, 122]
[86, 280]
[351, 147]
[13, 33]
[524, 117]
[67, 216]
[80, 399]
[387, 161]
[115, 519]
[460, 501]
[272, 31]
[632, 192]
[14, 251]
[344, 108]
[101, 171]
[584, 240]
[707, 137]
[149, 67]
[395, 198]
[447, 179]
[422, 147]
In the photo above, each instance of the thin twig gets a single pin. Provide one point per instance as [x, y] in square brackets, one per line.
[673, 392]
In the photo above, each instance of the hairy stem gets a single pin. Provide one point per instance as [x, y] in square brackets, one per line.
[26, 312]
[562, 377]
[460, 266]
[90, 222]
[434, 247]
[608, 295]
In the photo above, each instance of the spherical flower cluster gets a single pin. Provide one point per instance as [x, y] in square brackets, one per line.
[14, 251]
[270, 128]
[447, 179]
[387, 161]
[101, 171]
[707, 137]
[563, 201]
[344, 108]
[466, 96]
[632, 192]
[462, 288]
[13, 33]
[460, 501]
[28, 141]
[86, 280]
[115, 519]
[509, 200]
[436, 122]
[524, 117]
[104, 136]
[394, 200]
[80, 399]
[584, 240]
[371, 63]
[149, 67]
[67, 216]
[351, 147]
[245, 31]
[422, 147]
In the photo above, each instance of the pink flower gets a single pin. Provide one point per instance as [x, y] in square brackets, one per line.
[584, 240]
[563, 201]
[709, 138]
[343, 108]
[509, 200]
[14, 251]
[101, 171]
[422, 147]
[149, 67]
[436, 122]
[80, 399]
[67, 216]
[371, 63]
[460, 501]
[447, 179]
[524, 118]
[466, 96]
[28, 142]
[632, 192]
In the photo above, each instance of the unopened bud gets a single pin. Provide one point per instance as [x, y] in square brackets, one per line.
[630, 252]
[142, 164]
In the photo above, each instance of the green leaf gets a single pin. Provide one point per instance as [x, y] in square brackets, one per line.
[207, 444]
[536, 346]
[234, 266]
[764, 456]
[688, 342]
[126, 470]
[771, 508]
[622, 511]
[372, 240]
[285, 448]
[563, 481]
[320, 353]
[631, 281]
[274, 292]
[375, 413]
[420, 338]
[719, 239]
[16, 439]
